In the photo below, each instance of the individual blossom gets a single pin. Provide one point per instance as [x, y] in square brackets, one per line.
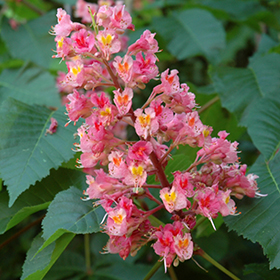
[174, 199]
[117, 166]
[65, 26]
[172, 242]
[144, 68]
[53, 127]
[136, 175]
[120, 18]
[83, 42]
[140, 151]
[82, 10]
[124, 68]
[146, 44]
[123, 100]
[79, 106]
[146, 123]
[183, 180]
[208, 203]
[108, 42]
[100, 185]
[220, 150]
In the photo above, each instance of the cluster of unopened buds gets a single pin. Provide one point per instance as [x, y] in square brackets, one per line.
[120, 168]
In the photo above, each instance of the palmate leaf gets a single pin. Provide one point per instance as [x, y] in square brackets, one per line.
[120, 270]
[29, 85]
[70, 263]
[240, 89]
[36, 264]
[31, 41]
[264, 125]
[37, 197]
[262, 270]
[26, 153]
[260, 220]
[192, 32]
[68, 213]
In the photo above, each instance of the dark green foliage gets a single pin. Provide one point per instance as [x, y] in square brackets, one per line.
[224, 49]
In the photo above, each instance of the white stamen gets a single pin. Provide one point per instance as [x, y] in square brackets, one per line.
[104, 218]
[213, 225]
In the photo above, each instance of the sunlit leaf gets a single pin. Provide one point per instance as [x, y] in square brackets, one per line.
[29, 85]
[37, 265]
[259, 220]
[31, 41]
[27, 153]
[192, 32]
[262, 270]
[240, 88]
[68, 213]
[37, 197]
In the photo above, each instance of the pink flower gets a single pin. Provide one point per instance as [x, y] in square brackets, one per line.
[53, 126]
[146, 44]
[83, 42]
[123, 100]
[79, 106]
[172, 242]
[108, 42]
[136, 176]
[117, 166]
[140, 151]
[174, 199]
[124, 69]
[121, 19]
[208, 203]
[65, 26]
[82, 10]
[146, 123]
[102, 184]
[227, 205]
[182, 180]
[144, 69]
[220, 150]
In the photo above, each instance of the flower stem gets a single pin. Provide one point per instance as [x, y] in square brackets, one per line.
[172, 273]
[160, 172]
[87, 254]
[153, 270]
[219, 266]
[208, 104]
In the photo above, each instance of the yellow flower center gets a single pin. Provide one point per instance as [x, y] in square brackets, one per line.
[170, 198]
[118, 219]
[75, 70]
[106, 41]
[106, 112]
[137, 171]
[144, 120]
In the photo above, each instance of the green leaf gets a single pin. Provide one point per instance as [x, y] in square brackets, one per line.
[236, 9]
[69, 2]
[259, 220]
[192, 32]
[37, 265]
[31, 86]
[37, 197]
[240, 89]
[262, 270]
[68, 213]
[31, 41]
[123, 270]
[205, 228]
[237, 39]
[69, 264]
[26, 152]
[264, 126]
